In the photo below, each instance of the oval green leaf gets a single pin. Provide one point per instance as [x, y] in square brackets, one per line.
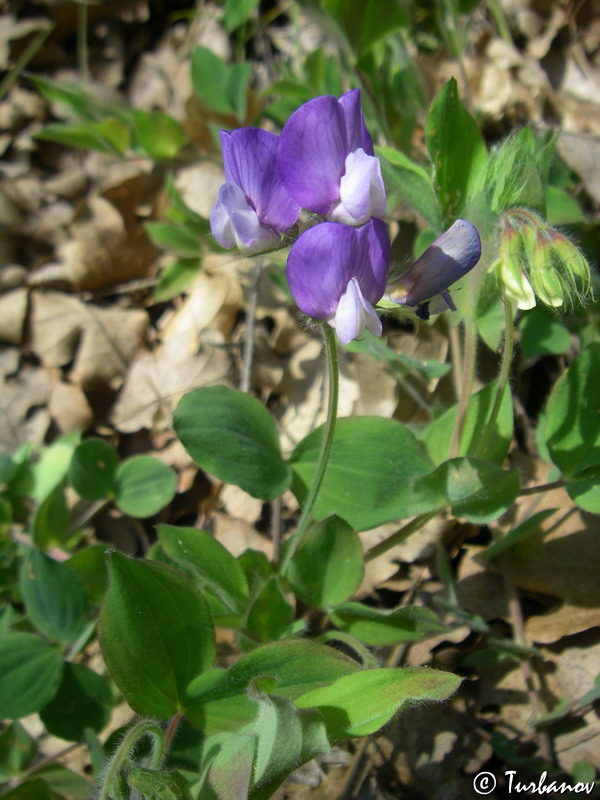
[93, 468]
[368, 480]
[360, 704]
[83, 701]
[328, 566]
[144, 486]
[572, 416]
[218, 569]
[30, 673]
[376, 627]
[232, 435]
[155, 632]
[54, 598]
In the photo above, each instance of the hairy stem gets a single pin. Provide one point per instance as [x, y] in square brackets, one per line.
[466, 388]
[399, 536]
[326, 442]
[122, 758]
[503, 376]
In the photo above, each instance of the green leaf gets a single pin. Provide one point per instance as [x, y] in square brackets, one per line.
[572, 415]
[82, 701]
[270, 614]
[477, 490]
[372, 464]
[175, 237]
[562, 208]
[209, 79]
[65, 783]
[154, 623]
[17, 749]
[364, 24]
[54, 598]
[87, 135]
[517, 535]
[456, 149]
[218, 569]
[232, 436]
[231, 758]
[360, 704]
[585, 490]
[36, 789]
[286, 738]
[399, 363]
[237, 12]
[93, 468]
[53, 466]
[328, 566]
[237, 87]
[437, 437]
[376, 627]
[51, 522]
[158, 134]
[542, 334]
[176, 278]
[8, 469]
[89, 565]
[516, 172]
[218, 701]
[411, 184]
[144, 485]
[30, 673]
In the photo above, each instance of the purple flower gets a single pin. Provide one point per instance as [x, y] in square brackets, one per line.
[326, 160]
[253, 207]
[450, 257]
[337, 273]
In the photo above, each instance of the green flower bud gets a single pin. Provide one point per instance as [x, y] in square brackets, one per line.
[534, 260]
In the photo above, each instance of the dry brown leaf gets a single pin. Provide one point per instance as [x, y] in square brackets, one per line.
[102, 250]
[576, 670]
[69, 408]
[237, 536]
[239, 504]
[21, 394]
[564, 621]
[156, 381]
[100, 341]
[13, 310]
[480, 590]
[199, 185]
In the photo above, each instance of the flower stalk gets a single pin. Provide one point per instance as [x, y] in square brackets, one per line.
[292, 543]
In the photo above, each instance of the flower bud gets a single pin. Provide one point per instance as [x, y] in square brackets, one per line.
[534, 260]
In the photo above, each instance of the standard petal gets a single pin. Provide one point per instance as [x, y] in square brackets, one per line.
[319, 267]
[357, 135]
[312, 152]
[354, 314]
[450, 257]
[362, 193]
[250, 160]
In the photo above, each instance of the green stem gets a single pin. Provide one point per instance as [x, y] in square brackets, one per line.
[503, 376]
[122, 757]
[333, 381]
[25, 57]
[467, 386]
[400, 535]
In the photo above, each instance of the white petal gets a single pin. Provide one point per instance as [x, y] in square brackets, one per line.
[362, 193]
[354, 314]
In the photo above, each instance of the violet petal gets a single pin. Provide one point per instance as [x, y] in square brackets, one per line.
[312, 152]
[357, 135]
[250, 161]
[450, 257]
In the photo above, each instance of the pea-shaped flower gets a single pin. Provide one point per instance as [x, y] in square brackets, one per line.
[337, 273]
[253, 208]
[327, 163]
[424, 285]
